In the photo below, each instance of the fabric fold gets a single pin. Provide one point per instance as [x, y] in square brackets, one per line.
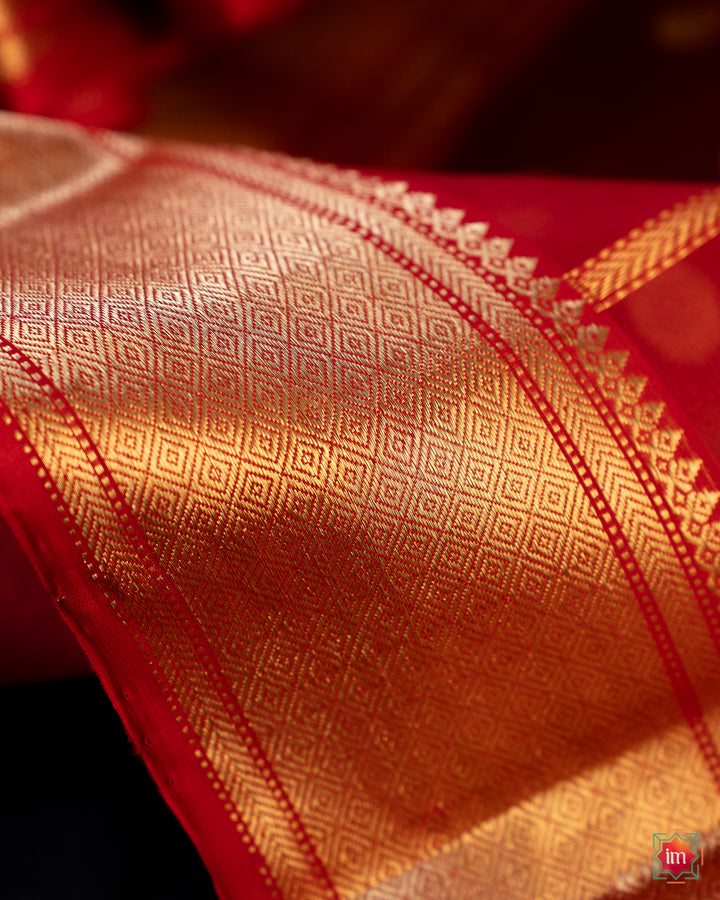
[397, 558]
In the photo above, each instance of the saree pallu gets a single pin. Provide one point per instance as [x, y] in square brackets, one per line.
[394, 542]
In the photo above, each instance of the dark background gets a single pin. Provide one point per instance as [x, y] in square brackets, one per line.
[79, 815]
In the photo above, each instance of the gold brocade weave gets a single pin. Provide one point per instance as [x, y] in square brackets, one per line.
[425, 568]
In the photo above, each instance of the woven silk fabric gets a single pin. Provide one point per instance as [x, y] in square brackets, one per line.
[396, 556]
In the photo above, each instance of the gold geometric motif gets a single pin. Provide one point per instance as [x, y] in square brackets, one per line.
[652, 434]
[397, 570]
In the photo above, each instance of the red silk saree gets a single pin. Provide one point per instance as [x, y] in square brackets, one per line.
[384, 508]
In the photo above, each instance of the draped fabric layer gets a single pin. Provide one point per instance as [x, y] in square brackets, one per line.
[396, 549]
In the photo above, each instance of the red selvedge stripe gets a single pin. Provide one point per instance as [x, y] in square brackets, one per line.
[128, 621]
[198, 640]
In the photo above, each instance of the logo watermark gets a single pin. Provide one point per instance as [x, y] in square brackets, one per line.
[676, 857]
